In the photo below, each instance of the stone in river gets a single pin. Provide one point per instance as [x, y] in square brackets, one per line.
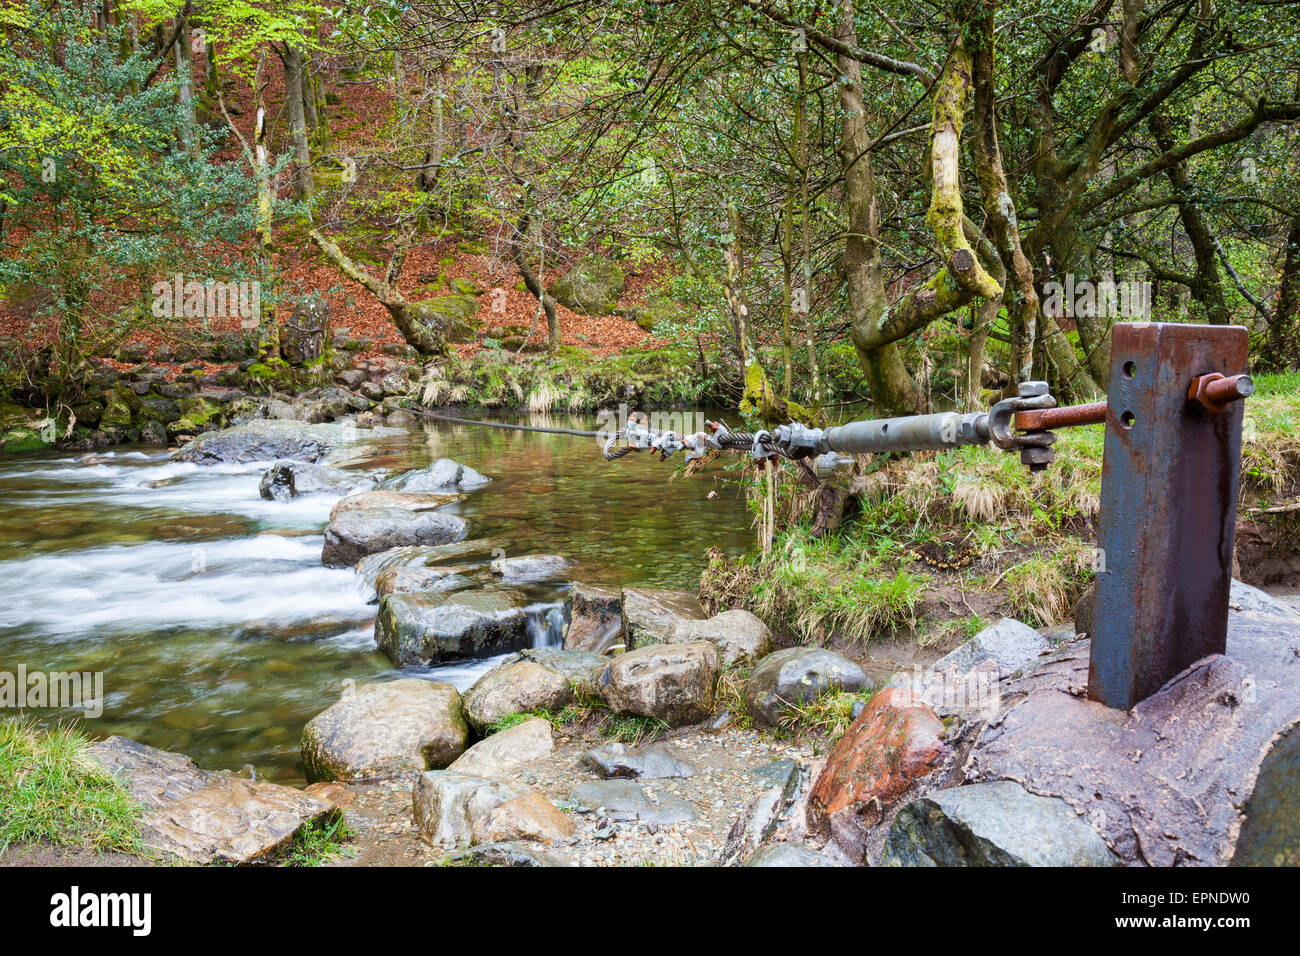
[355, 534]
[595, 616]
[530, 567]
[406, 500]
[443, 475]
[295, 479]
[398, 726]
[427, 627]
[263, 440]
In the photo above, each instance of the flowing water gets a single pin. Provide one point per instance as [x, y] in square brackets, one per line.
[207, 610]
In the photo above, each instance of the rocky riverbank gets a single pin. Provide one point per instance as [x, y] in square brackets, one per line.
[634, 727]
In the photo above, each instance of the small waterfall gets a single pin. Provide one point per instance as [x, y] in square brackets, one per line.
[545, 623]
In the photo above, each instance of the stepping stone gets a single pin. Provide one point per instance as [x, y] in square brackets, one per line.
[625, 800]
[655, 761]
[204, 817]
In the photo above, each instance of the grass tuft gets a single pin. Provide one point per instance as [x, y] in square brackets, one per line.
[52, 791]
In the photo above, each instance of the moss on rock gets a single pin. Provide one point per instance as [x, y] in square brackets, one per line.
[591, 287]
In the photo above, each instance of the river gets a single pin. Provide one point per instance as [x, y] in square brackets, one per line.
[207, 609]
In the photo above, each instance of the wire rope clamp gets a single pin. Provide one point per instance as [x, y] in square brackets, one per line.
[1035, 447]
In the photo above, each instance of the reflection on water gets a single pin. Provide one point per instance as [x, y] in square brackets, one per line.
[217, 628]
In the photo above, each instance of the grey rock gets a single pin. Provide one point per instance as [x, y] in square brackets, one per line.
[777, 773]
[406, 501]
[580, 669]
[794, 675]
[293, 479]
[427, 628]
[595, 618]
[516, 687]
[650, 614]
[449, 805]
[530, 567]
[758, 822]
[354, 534]
[1008, 643]
[262, 440]
[653, 761]
[675, 683]
[401, 726]
[512, 853]
[443, 475]
[415, 580]
[787, 854]
[992, 824]
[202, 817]
[499, 754]
[741, 638]
[625, 800]
[472, 551]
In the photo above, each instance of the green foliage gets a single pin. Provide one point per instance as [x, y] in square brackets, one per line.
[319, 841]
[52, 791]
[107, 185]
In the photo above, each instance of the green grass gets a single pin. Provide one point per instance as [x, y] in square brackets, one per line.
[588, 710]
[52, 791]
[1025, 540]
[319, 842]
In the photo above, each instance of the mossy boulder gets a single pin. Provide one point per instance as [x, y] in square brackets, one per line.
[453, 315]
[199, 411]
[460, 285]
[591, 287]
[88, 412]
[117, 410]
[22, 439]
[656, 311]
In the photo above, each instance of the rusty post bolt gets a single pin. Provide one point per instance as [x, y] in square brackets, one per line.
[1214, 392]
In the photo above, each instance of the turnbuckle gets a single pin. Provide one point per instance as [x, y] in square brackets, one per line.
[1035, 446]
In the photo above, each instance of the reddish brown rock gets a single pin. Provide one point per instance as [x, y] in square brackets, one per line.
[530, 817]
[336, 795]
[895, 740]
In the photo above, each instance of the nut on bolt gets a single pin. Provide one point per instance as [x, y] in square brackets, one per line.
[1215, 392]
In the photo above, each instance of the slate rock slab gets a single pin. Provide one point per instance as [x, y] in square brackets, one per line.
[1008, 643]
[992, 824]
[626, 800]
[653, 761]
[785, 855]
[1203, 772]
[354, 534]
[204, 817]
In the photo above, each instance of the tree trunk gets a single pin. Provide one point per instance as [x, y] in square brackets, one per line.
[1281, 348]
[303, 184]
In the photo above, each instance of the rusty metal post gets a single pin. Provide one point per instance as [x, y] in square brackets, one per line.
[1168, 508]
